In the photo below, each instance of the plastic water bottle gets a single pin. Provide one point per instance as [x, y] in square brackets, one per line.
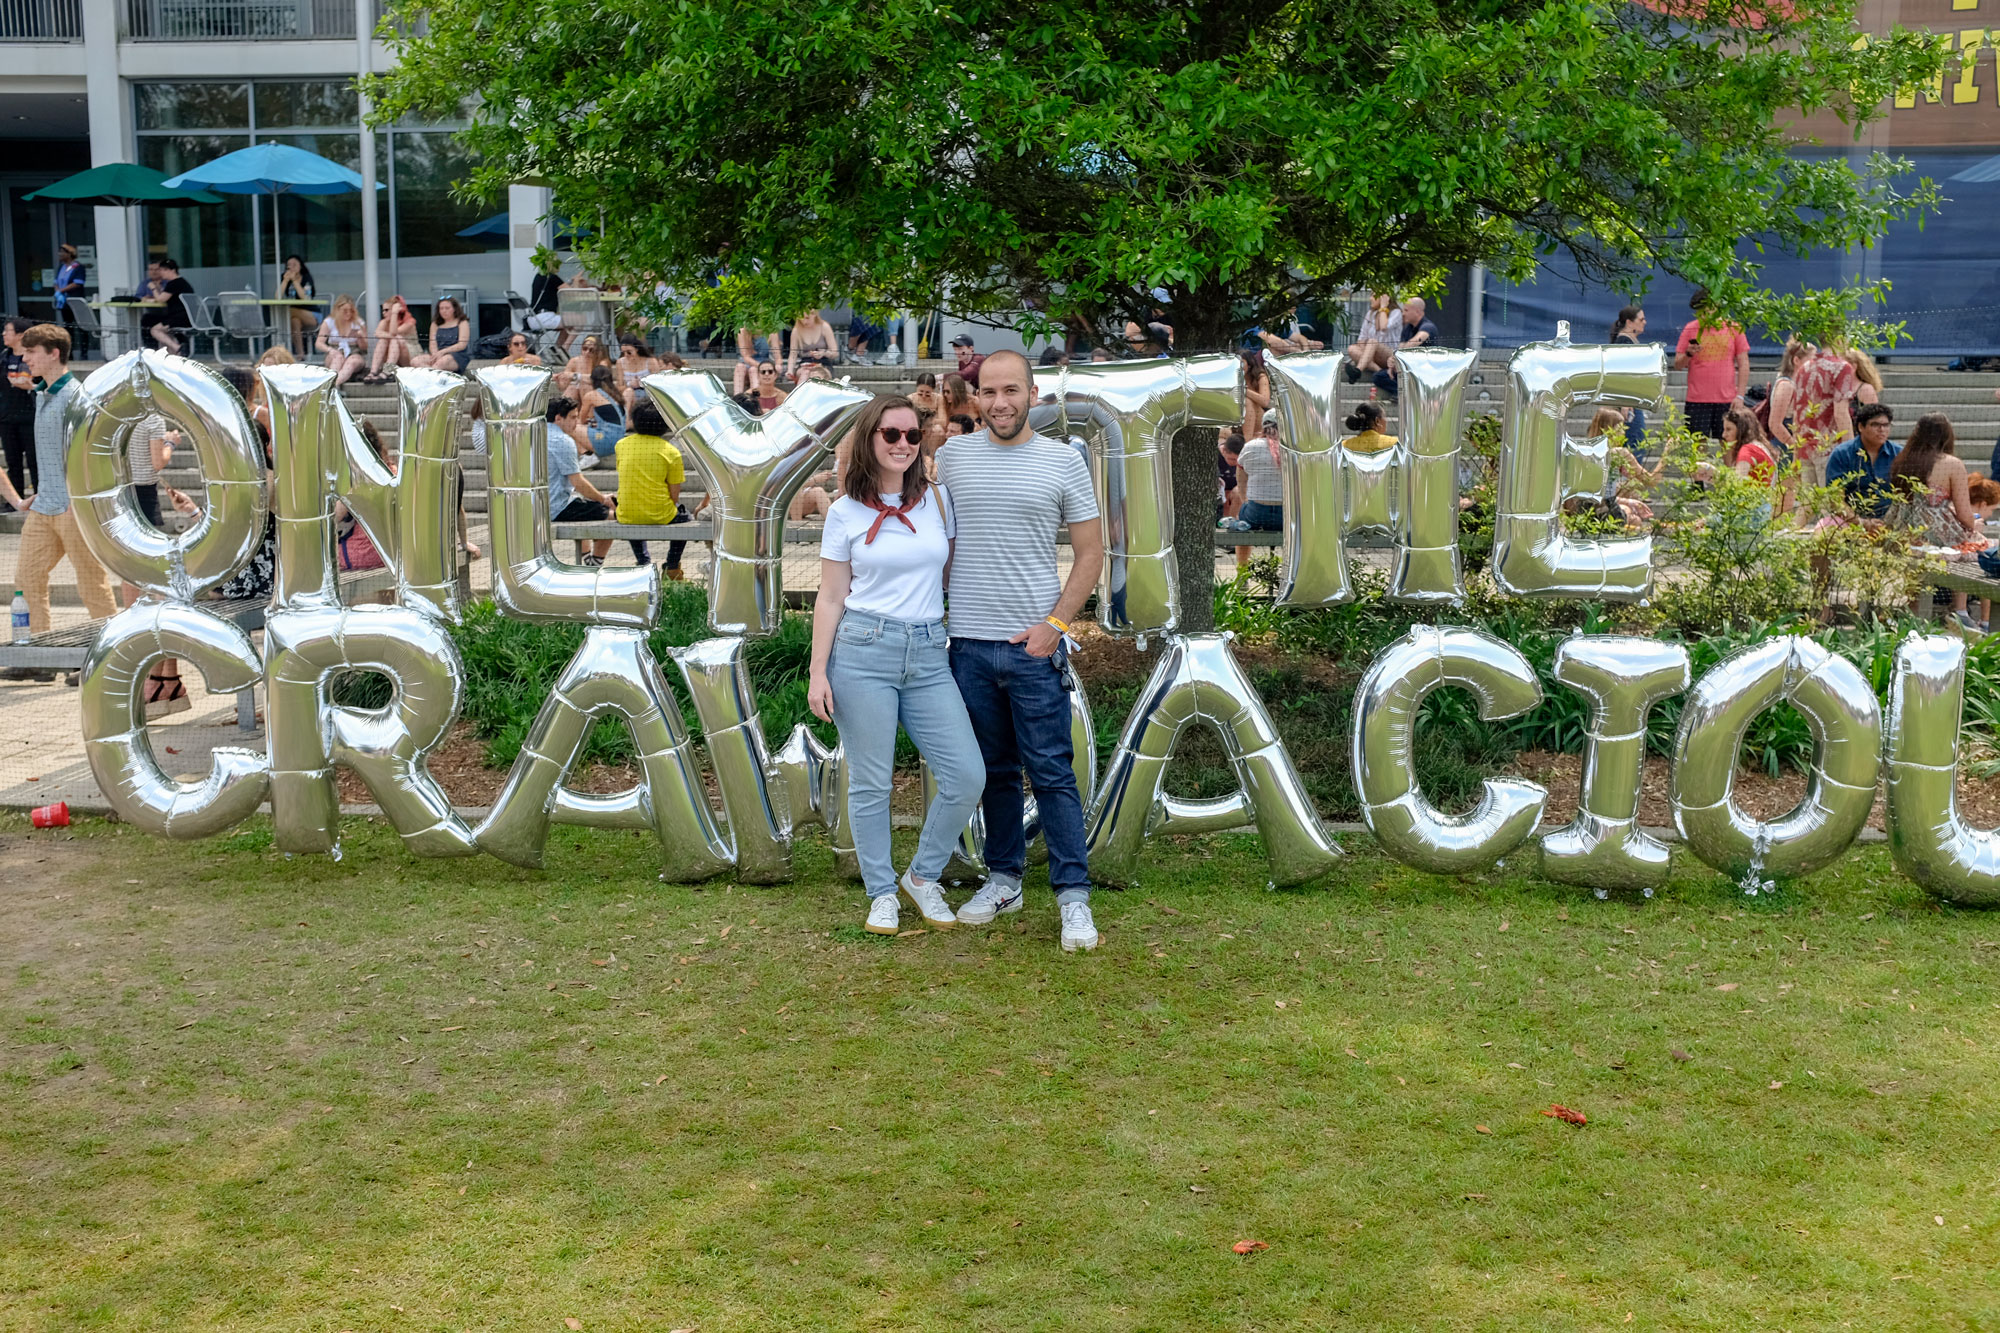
[20, 616]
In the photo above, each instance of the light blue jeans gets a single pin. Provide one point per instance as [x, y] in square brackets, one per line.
[883, 672]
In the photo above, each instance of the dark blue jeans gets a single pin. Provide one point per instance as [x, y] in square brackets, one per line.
[1019, 707]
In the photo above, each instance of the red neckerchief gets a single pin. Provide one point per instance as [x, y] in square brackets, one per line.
[884, 512]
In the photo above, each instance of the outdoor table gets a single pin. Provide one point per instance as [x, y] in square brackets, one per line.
[123, 324]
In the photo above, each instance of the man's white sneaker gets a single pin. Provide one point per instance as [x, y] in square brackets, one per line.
[929, 901]
[1000, 893]
[882, 915]
[1079, 931]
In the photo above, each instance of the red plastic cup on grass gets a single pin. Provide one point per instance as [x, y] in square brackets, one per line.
[50, 816]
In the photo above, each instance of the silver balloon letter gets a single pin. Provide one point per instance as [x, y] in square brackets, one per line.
[757, 464]
[1623, 677]
[1846, 725]
[815, 783]
[386, 747]
[614, 674]
[1386, 704]
[1126, 413]
[1927, 836]
[1197, 679]
[114, 721]
[529, 583]
[213, 420]
[410, 514]
[759, 821]
[1409, 490]
[1541, 466]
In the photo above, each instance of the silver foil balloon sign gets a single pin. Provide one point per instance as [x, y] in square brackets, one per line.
[1197, 679]
[1541, 467]
[1846, 724]
[756, 464]
[1126, 413]
[1604, 848]
[1386, 705]
[1928, 838]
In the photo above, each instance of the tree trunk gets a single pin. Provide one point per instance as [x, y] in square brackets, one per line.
[1194, 475]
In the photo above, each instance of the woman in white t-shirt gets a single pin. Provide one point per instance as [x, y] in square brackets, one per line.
[343, 340]
[880, 657]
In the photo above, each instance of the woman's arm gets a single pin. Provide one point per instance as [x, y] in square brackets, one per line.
[320, 341]
[1961, 501]
[1782, 394]
[835, 578]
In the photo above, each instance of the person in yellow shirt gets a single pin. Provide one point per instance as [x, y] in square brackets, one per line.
[1366, 421]
[650, 476]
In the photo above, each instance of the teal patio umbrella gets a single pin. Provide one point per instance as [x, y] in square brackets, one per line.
[121, 185]
[271, 169]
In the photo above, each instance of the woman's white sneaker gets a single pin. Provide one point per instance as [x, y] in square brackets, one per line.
[929, 901]
[1000, 893]
[1079, 931]
[882, 915]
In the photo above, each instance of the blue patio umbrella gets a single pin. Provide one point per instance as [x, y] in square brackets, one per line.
[494, 230]
[272, 169]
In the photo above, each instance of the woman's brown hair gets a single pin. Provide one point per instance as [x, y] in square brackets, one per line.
[860, 481]
[1930, 439]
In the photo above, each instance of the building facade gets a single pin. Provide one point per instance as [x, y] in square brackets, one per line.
[174, 83]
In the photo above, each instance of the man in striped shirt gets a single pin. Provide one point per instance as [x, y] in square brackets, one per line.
[1011, 490]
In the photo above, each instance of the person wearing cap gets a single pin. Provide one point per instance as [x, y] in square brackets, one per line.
[969, 361]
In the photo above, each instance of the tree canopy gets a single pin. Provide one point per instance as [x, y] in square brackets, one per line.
[1243, 155]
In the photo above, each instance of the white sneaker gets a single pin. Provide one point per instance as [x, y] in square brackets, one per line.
[882, 915]
[1000, 893]
[1079, 930]
[929, 901]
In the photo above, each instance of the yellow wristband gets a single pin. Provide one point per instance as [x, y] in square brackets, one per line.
[1051, 620]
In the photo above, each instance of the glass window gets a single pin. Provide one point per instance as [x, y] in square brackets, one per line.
[207, 235]
[321, 227]
[428, 215]
[192, 106]
[297, 105]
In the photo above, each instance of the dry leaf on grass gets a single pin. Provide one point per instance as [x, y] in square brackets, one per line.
[1481, 1129]
[1727, 985]
[1249, 1246]
[1557, 1111]
[572, 1323]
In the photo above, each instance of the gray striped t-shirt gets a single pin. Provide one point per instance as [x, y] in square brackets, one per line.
[1009, 500]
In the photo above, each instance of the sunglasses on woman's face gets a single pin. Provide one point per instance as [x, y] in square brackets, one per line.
[765, 370]
[892, 434]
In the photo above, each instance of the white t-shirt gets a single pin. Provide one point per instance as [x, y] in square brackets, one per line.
[901, 574]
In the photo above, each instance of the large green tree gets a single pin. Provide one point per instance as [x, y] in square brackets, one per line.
[1063, 160]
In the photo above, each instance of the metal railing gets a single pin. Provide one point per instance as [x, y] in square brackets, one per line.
[209, 20]
[41, 20]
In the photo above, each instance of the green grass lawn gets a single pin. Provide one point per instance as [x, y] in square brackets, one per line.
[239, 1090]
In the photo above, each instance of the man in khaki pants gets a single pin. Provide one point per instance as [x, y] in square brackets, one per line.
[49, 532]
